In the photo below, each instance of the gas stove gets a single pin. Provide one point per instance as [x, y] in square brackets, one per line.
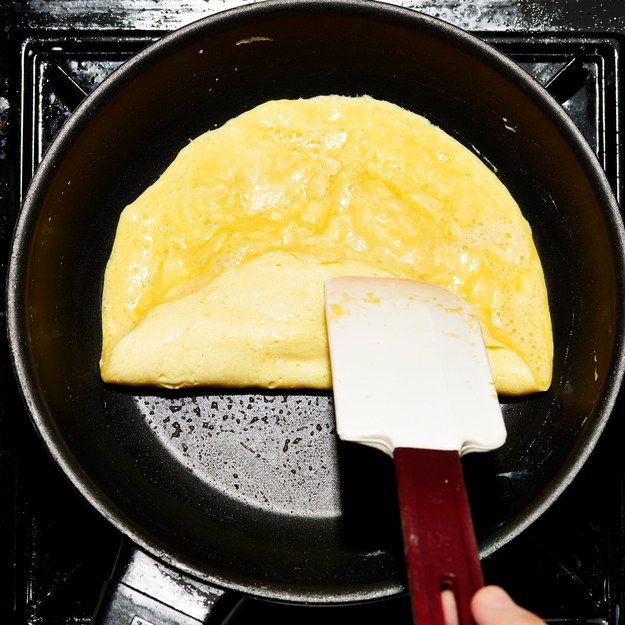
[55, 550]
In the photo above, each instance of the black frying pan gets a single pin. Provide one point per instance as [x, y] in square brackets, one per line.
[251, 490]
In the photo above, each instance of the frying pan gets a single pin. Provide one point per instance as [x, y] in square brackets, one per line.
[250, 490]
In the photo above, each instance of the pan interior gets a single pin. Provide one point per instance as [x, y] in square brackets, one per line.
[276, 452]
[252, 489]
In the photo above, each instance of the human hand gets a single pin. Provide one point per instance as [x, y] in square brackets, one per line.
[491, 606]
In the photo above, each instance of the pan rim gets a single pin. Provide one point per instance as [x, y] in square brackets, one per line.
[25, 223]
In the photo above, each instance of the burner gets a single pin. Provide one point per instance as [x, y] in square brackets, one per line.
[54, 547]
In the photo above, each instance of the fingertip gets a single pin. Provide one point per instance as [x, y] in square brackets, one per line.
[492, 605]
[450, 609]
[493, 598]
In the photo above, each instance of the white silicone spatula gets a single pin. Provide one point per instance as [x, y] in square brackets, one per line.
[411, 377]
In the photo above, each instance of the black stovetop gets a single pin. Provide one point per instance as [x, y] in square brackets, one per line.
[55, 550]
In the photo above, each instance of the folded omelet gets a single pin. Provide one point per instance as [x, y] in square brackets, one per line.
[216, 274]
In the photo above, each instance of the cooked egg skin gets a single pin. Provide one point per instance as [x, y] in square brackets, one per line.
[217, 269]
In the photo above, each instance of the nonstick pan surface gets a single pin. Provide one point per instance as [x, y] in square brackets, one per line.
[251, 490]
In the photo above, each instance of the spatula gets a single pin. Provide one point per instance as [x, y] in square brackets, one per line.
[411, 377]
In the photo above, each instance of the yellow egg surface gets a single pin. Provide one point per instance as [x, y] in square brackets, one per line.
[217, 270]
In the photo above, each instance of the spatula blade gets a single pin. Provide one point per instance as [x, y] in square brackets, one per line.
[409, 367]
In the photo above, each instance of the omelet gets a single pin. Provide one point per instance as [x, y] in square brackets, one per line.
[217, 270]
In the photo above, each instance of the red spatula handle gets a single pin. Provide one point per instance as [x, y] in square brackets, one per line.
[439, 543]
